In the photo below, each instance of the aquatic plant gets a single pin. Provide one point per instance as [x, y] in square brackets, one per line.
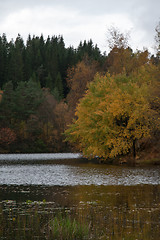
[64, 227]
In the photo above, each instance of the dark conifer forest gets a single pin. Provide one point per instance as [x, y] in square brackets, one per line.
[44, 61]
[33, 83]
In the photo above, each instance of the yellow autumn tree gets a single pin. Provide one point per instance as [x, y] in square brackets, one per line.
[121, 58]
[113, 115]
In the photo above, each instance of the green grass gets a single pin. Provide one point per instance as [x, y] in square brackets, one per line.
[65, 228]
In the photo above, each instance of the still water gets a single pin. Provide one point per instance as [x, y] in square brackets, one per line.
[115, 202]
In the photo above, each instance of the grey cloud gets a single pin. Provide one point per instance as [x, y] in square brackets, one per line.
[143, 9]
[144, 14]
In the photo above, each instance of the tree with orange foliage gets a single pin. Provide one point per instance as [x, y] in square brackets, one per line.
[7, 136]
[113, 115]
[78, 78]
[121, 58]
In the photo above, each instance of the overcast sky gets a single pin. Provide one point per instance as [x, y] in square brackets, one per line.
[81, 20]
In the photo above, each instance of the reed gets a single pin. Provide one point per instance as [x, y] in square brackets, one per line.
[65, 227]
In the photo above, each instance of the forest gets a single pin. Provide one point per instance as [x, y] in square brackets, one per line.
[47, 89]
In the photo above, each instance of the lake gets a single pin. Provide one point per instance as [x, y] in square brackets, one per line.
[114, 202]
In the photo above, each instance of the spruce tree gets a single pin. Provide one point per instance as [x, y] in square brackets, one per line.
[58, 88]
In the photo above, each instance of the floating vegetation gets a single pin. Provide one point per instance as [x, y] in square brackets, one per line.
[81, 212]
[38, 218]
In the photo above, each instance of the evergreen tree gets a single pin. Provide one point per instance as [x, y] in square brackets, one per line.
[49, 82]
[88, 49]
[6, 105]
[3, 60]
[44, 59]
[58, 87]
[20, 103]
[19, 57]
[27, 98]
[28, 59]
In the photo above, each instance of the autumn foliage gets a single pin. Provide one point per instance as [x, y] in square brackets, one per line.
[113, 115]
[112, 100]
[7, 136]
[77, 79]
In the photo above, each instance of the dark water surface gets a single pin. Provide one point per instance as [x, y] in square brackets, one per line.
[115, 202]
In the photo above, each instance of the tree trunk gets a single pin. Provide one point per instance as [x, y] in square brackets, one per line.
[134, 151]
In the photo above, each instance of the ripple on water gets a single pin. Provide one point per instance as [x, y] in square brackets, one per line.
[71, 175]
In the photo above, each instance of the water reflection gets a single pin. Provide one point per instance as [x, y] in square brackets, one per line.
[112, 212]
[77, 174]
[115, 202]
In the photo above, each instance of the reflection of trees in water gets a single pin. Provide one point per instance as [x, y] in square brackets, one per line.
[122, 212]
[116, 212]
